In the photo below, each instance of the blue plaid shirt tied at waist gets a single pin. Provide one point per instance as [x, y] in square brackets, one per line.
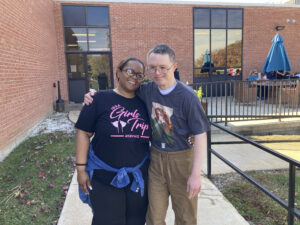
[119, 181]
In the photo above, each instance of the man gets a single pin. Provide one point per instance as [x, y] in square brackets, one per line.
[176, 113]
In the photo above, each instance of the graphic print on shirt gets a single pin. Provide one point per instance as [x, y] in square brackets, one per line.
[121, 117]
[162, 127]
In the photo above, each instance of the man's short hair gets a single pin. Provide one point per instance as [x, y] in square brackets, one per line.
[163, 49]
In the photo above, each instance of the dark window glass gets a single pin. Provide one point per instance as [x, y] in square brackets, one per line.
[235, 18]
[76, 39]
[218, 18]
[97, 16]
[73, 15]
[201, 18]
[202, 60]
[234, 48]
[199, 73]
[215, 71]
[218, 47]
[214, 52]
[99, 71]
[75, 66]
[98, 39]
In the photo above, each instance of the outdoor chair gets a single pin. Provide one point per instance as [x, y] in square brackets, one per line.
[245, 92]
[290, 95]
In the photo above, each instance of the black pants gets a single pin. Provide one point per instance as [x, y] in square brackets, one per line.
[117, 206]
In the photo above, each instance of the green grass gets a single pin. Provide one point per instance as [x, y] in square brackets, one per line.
[254, 205]
[34, 180]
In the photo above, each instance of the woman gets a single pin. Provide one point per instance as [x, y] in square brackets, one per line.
[117, 158]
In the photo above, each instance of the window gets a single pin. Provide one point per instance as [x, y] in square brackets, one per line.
[217, 42]
[76, 39]
[201, 18]
[97, 16]
[68, 15]
[88, 49]
[218, 18]
[88, 30]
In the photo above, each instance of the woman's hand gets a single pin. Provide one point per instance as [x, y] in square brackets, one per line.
[88, 99]
[84, 181]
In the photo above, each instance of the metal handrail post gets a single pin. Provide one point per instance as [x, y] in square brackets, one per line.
[209, 154]
[226, 104]
[280, 104]
[291, 203]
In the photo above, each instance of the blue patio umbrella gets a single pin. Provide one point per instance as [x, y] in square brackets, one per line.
[277, 58]
[207, 64]
[207, 58]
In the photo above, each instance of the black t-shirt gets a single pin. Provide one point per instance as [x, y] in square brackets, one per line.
[121, 130]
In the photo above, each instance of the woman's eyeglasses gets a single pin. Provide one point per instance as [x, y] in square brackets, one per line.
[131, 73]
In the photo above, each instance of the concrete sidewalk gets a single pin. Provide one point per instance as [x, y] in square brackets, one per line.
[213, 208]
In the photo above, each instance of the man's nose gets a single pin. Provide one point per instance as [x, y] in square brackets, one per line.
[157, 70]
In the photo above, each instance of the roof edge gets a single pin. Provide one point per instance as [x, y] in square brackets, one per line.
[180, 2]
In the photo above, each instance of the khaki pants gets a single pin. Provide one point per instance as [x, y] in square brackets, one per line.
[168, 175]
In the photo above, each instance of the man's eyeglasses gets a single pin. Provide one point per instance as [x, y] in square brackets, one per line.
[131, 73]
[160, 69]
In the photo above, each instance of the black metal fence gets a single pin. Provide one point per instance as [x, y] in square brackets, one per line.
[290, 205]
[250, 100]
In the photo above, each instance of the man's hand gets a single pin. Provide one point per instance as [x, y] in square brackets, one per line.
[83, 181]
[194, 181]
[194, 185]
[88, 98]
[191, 140]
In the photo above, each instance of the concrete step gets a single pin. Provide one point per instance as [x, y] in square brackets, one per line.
[260, 127]
[73, 107]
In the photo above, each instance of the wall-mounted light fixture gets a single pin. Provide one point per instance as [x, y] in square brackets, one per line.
[278, 27]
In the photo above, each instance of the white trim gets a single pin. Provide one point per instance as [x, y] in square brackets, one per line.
[180, 2]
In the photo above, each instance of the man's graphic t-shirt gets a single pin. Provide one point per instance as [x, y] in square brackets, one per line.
[121, 130]
[162, 127]
[174, 116]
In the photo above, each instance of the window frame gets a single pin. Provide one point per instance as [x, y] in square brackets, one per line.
[87, 52]
[87, 27]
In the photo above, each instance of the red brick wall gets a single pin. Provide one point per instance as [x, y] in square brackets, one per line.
[136, 28]
[28, 65]
[32, 48]
[259, 31]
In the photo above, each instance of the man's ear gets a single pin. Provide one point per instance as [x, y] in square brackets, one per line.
[175, 66]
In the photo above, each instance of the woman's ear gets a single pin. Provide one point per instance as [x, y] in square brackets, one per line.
[117, 76]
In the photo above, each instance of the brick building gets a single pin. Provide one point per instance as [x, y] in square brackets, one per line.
[81, 42]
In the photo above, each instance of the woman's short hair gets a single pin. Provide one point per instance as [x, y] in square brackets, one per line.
[124, 62]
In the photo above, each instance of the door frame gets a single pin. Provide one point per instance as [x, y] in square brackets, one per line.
[85, 65]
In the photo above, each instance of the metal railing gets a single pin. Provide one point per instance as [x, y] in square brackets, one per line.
[250, 100]
[290, 205]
